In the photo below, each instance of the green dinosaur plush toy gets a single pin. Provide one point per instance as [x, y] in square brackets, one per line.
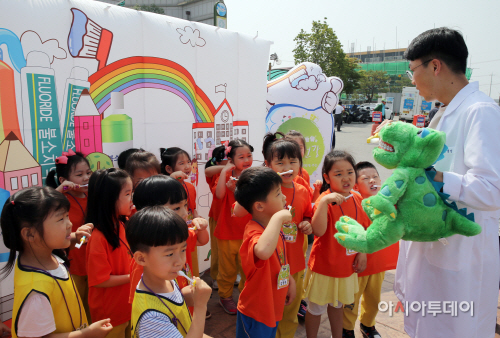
[409, 205]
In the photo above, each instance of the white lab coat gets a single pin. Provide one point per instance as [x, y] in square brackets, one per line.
[467, 268]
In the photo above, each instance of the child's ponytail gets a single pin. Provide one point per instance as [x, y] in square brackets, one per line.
[218, 155]
[65, 164]
[280, 147]
[50, 180]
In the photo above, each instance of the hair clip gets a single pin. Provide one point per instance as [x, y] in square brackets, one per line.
[228, 150]
[12, 202]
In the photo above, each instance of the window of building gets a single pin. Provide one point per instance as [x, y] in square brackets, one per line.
[85, 125]
[34, 179]
[245, 139]
[236, 131]
[86, 142]
[218, 141]
[24, 181]
[198, 156]
[206, 156]
[209, 134]
[218, 126]
[13, 183]
[227, 126]
[200, 134]
[194, 136]
[244, 131]
[223, 127]
[209, 144]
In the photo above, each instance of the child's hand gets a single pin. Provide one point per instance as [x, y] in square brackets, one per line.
[292, 291]
[283, 215]
[99, 329]
[201, 293]
[84, 230]
[231, 185]
[199, 224]
[305, 227]
[359, 264]
[317, 185]
[335, 198]
[4, 329]
[67, 186]
[228, 167]
[179, 175]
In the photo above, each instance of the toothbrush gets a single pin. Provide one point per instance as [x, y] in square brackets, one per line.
[233, 178]
[82, 240]
[286, 172]
[345, 198]
[182, 274]
[79, 186]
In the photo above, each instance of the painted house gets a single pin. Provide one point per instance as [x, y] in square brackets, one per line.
[88, 133]
[208, 135]
[18, 168]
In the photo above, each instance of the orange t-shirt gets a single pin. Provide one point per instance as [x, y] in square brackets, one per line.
[328, 257]
[229, 228]
[191, 196]
[102, 262]
[215, 206]
[382, 260]
[136, 270]
[77, 257]
[260, 299]
[305, 184]
[301, 203]
[305, 175]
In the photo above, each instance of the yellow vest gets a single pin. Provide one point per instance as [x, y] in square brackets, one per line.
[27, 280]
[145, 301]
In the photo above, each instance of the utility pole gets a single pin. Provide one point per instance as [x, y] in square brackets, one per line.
[491, 80]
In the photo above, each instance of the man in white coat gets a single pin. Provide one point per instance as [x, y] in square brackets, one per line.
[457, 276]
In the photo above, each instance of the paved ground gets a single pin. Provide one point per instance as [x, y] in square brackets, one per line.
[353, 139]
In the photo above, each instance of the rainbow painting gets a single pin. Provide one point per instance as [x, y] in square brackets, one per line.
[138, 72]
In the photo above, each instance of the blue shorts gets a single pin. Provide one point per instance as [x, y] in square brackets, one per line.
[247, 327]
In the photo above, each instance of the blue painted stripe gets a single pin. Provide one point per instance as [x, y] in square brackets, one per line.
[4, 257]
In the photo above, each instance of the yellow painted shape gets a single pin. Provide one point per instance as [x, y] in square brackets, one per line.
[346, 219]
[393, 215]
[342, 237]
[345, 227]
[367, 202]
[376, 212]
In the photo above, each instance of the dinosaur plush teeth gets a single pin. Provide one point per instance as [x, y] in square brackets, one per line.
[386, 146]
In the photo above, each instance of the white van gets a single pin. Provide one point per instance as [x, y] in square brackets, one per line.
[413, 104]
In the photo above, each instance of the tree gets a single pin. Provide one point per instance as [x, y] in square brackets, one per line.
[403, 81]
[322, 47]
[149, 8]
[372, 82]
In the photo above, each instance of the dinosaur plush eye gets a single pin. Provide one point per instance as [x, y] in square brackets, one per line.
[423, 132]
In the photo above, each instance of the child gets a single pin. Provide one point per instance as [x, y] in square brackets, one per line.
[108, 253]
[213, 169]
[140, 165]
[157, 236]
[35, 223]
[229, 230]
[282, 155]
[301, 140]
[370, 281]
[264, 255]
[176, 163]
[122, 158]
[73, 174]
[168, 192]
[331, 279]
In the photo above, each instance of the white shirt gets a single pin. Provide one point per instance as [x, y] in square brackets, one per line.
[38, 306]
[339, 110]
[467, 268]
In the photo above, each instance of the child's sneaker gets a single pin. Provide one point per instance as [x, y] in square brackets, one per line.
[302, 309]
[228, 305]
[369, 332]
[237, 281]
[215, 286]
[347, 333]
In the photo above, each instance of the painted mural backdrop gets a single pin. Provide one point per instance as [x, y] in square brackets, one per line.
[183, 84]
[304, 99]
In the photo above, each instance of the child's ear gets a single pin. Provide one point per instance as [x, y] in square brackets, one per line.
[61, 180]
[169, 169]
[327, 179]
[258, 206]
[140, 258]
[266, 164]
[356, 187]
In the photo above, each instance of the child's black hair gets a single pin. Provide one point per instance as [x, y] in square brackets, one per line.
[254, 185]
[235, 144]
[295, 133]
[29, 207]
[63, 170]
[142, 160]
[124, 155]
[330, 159]
[280, 147]
[105, 186]
[364, 165]
[155, 226]
[218, 155]
[158, 190]
[170, 156]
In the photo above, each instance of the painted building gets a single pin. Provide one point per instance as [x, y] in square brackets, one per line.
[207, 136]
[88, 133]
[18, 168]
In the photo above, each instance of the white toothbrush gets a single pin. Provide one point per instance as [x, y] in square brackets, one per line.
[286, 172]
[182, 274]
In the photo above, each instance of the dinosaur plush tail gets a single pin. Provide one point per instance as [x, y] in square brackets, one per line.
[461, 225]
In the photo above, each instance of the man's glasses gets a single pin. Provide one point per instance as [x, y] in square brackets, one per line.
[409, 73]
